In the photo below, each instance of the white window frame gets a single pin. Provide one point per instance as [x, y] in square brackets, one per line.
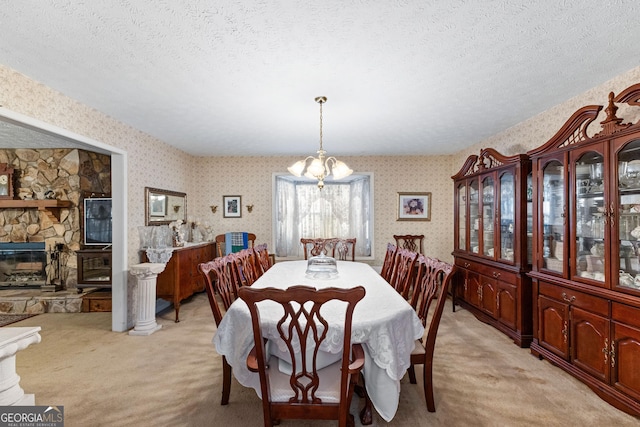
[275, 175]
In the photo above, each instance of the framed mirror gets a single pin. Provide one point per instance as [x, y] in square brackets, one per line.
[163, 206]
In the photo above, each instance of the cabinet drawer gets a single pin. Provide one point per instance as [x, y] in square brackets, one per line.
[96, 305]
[626, 314]
[496, 273]
[575, 298]
[488, 271]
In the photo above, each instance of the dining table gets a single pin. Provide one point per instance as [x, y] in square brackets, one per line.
[383, 322]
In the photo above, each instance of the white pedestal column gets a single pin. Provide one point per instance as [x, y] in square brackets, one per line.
[146, 274]
[12, 340]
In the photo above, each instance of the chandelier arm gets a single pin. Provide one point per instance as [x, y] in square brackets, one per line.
[330, 162]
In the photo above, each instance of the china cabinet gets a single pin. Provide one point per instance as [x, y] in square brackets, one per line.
[491, 242]
[586, 250]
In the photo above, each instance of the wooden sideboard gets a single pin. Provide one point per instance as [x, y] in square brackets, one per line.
[180, 278]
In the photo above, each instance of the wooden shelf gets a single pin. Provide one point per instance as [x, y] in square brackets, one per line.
[50, 207]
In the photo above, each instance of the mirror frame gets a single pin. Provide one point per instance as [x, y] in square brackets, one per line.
[149, 192]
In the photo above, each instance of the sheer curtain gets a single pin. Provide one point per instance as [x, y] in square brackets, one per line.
[340, 209]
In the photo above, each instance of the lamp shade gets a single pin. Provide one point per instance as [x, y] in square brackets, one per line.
[297, 168]
[316, 168]
[340, 170]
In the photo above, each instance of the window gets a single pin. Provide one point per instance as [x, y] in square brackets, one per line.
[342, 209]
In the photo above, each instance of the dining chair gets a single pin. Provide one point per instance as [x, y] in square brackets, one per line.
[305, 392]
[389, 260]
[413, 242]
[263, 260]
[218, 279]
[434, 278]
[403, 271]
[234, 242]
[315, 247]
[244, 267]
[344, 249]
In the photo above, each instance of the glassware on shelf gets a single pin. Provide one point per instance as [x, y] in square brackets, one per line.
[507, 216]
[488, 218]
[462, 217]
[590, 217]
[628, 223]
[553, 213]
[474, 219]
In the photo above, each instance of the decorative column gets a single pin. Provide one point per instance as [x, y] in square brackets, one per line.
[12, 340]
[146, 274]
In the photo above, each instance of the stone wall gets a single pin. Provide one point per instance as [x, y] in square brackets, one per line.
[71, 174]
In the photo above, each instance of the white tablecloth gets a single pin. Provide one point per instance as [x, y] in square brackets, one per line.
[383, 321]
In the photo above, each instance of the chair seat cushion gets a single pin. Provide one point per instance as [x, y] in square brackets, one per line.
[418, 348]
[329, 390]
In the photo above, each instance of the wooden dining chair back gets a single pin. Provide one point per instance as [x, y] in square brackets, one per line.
[244, 267]
[315, 247]
[221, 242]
[305, 392]
[413, 242]
[218, 280]
[263, 261]
[389, 262]
[403, 271]
[429, 296]
[344, 249]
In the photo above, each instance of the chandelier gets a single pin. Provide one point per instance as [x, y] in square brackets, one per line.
[322, 166]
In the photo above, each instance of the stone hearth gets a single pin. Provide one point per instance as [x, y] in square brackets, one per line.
[17, 301]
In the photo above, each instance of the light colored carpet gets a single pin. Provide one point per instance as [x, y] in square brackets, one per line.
[173, 378]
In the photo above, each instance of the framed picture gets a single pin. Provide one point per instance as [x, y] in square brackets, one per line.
[232, 206]
[414, 206]
[158, 205]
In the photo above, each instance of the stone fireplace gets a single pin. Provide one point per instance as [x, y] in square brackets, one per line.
[67, 175]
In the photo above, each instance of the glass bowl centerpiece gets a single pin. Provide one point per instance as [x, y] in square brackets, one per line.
[322, 267]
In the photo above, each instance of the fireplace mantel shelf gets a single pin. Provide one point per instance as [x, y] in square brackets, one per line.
[49, 207]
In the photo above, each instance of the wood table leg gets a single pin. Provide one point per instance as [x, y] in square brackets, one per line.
[366, 417]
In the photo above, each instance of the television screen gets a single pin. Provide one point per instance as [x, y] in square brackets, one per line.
[97, 221]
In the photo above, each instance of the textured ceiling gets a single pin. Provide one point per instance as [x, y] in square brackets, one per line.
[240, 77]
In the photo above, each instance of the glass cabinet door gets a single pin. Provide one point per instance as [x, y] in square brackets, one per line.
[628, 163]
[462, 217]
[553, 216]
[474, 217]
[488, 218]
[507, 216]
[590, 218]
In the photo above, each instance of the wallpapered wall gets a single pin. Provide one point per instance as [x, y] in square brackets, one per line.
[537, 130]
[251, 178]
[205, 180]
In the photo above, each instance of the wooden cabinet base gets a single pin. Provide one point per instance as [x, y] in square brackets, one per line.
[496, 295]
[521, 340]
[607, 393]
